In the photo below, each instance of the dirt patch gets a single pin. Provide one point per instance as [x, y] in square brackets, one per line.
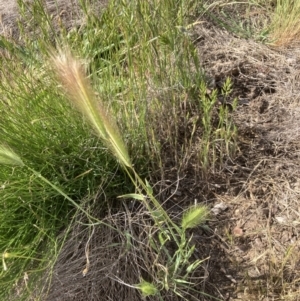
[261, 225]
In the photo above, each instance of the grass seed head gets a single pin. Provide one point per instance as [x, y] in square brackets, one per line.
[194, 217]
[71, 74]
[147, 288]
[4, 255]
[9, 157]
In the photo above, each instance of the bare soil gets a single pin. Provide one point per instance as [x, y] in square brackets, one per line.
[258, 233]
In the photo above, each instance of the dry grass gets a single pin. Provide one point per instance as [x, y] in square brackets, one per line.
[285, 23]
[261, 227]
[118, 260]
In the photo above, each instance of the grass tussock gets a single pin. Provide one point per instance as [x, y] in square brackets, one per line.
[284, 28]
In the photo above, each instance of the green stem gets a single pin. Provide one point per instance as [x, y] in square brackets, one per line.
[170, 224]
[94, 220]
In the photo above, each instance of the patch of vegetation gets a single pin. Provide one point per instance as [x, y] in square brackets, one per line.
[284, 28]
[274, 22]
[146, 91]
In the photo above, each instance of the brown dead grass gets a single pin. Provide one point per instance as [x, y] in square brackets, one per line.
[114, 260]
[117, 261]
[262, 186]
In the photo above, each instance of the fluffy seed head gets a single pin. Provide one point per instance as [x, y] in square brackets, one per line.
[194, 217]
[9, 157]
[71, 75]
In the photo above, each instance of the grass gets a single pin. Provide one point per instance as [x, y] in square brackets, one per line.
[264, 20]
[246, 19]
[137, 89]
[137, 92]
[36, 123]
[72, 77]
[285, 31]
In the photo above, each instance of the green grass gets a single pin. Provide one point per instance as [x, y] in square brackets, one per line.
[149, 78]
[52, 139]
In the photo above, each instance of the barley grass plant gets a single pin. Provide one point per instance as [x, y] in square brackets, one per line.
[79, 90]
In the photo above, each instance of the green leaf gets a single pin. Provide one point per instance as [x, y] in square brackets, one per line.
[163, 238]
[182, 281]
[194, 265]
[149, 188]
[158, 216]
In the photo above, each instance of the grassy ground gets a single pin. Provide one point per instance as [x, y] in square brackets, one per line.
[177, 107]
